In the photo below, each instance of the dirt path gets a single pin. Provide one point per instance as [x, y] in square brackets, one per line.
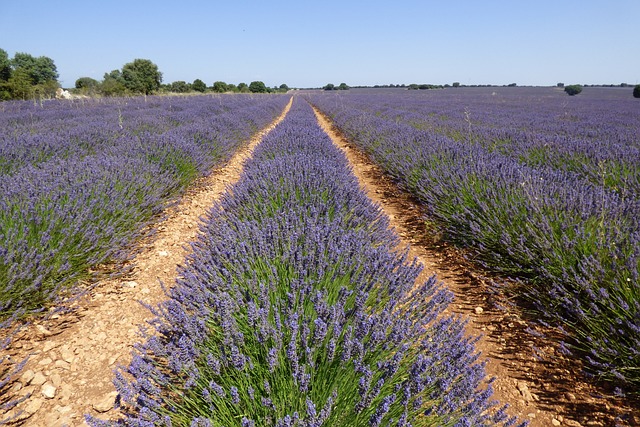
[540, 385]
[70, 371]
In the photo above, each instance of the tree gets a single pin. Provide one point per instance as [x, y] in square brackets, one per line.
[198, 85]
[242, 87]
[141, 76]
[257, 87]
[219, 87]
[560, 85]
[86, 83]
[455, 84]
[113, 84]
[20, 84]
[179, 86]
[636, 91]
[284, 87]
[329, 86]
[343, 86]
[573, 89]
[40, 70]
[5, 66]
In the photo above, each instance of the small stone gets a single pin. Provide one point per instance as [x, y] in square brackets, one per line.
[49, 345]
[526, 394]
[531, 415]
[555, 422]
[27, 376]
[45, 361]
[479, 310]
[38, 379]
[163, 253]
[106, 403]
[56, 380]
[131, 284]
[48, 390]
[67, 355]
[43, 331]
[34, 405]
[62, 364]
[570, 397]
[572, 423]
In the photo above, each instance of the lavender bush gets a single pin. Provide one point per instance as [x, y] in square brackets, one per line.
[79, 181]
[573, 236]
[295, 310]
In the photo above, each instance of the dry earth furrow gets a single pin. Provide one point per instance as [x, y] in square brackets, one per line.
[72, 357]
[539, 385]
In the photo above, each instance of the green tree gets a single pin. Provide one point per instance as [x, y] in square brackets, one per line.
[141, 76]
[329, 86]
[40, 70]
[5, 66]
[20, 84]
[87, 83]
[198, 85]
[257, 87]
[242, 87]
[220, 87]
[179, 86]
[636, 91]
[343, 86]
[573, 89]
[113, 84]
[284, 87]
[455, 84]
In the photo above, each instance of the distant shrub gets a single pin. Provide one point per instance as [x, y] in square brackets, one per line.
[573, 89]
[636, 91]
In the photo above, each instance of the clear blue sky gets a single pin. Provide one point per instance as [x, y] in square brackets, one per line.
[307, 44]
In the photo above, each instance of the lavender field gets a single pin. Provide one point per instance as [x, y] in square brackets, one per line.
[296, 310]
[538, 185]
[80, 181]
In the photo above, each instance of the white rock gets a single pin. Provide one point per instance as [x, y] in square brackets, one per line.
[44, 331]
[106, 403]
[48, 390]
[34, 405]
[67, 355]
[479, 310]
[27, 376]
[38, 379]
[56, 379]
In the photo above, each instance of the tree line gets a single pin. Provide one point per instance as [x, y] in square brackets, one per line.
[27, 77]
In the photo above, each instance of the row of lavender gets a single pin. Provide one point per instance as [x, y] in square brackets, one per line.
[594, 136]
[576, 243]
[295, 310]
[79, 180]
